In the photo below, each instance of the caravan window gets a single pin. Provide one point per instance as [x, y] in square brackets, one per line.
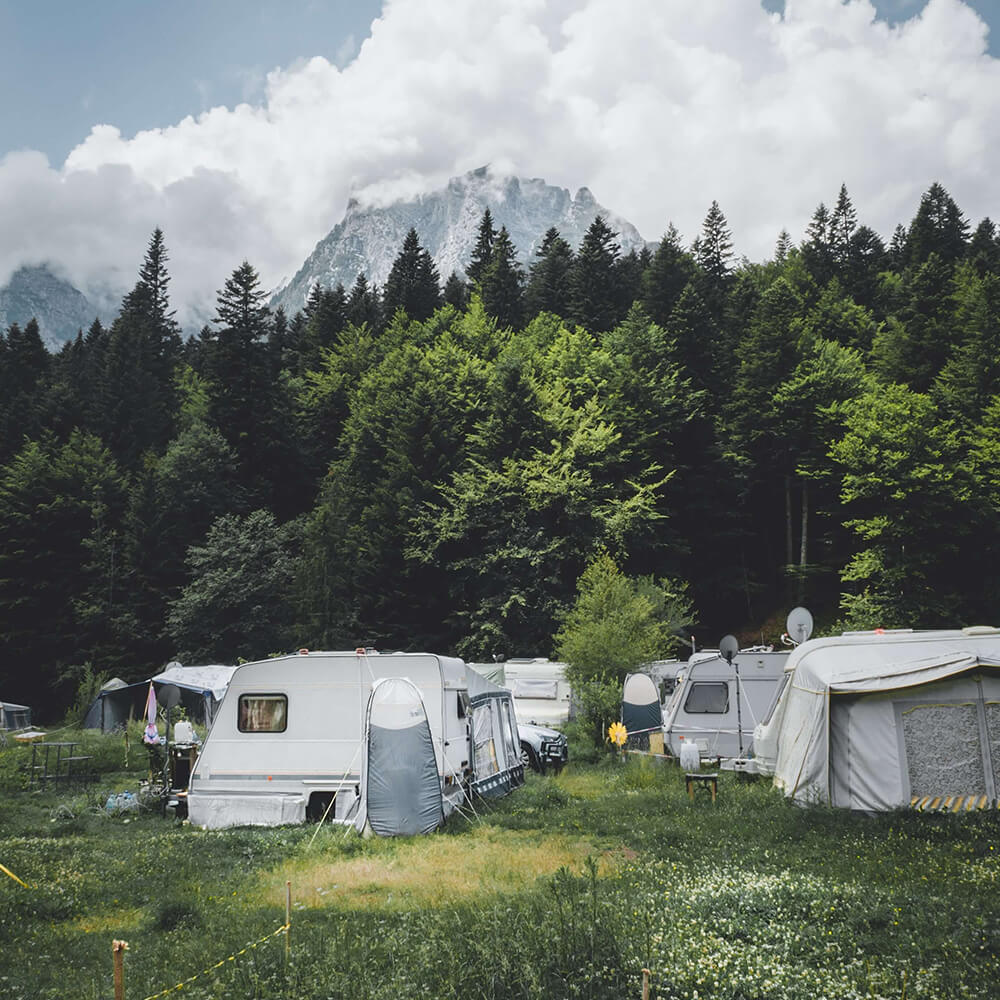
[263, 713]
[708, 698]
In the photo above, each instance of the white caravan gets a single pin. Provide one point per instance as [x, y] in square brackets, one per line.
[293, 735]
[888, 719]
[714, 703]
[542, 695]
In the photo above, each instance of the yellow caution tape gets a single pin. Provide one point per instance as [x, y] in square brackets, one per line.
[232, 958]
[7, 871]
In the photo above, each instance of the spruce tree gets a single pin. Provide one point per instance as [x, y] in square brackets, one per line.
[668, 274]
[501, 284]
[364, 304]
[456, 292]
[594, 301]
[412, 284]
[938, 227]
[482, 252]
[549, 281]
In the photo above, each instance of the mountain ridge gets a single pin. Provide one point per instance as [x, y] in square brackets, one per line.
[368, 238]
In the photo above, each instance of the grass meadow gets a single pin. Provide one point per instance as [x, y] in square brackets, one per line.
[568, 888]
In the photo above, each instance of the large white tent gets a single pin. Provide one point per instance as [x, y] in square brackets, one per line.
[888, 719]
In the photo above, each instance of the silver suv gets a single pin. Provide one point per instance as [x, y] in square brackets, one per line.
[542, 748]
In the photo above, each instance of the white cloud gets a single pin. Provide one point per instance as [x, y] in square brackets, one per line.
[659, 107]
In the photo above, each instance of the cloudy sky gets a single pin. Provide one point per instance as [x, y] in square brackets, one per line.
[241, 128]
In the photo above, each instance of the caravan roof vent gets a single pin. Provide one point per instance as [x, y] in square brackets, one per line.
[981, 630]
[303, 652]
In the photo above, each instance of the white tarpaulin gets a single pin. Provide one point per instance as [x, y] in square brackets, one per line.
[872, 721]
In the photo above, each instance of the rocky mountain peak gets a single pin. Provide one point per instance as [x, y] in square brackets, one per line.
[369, 237]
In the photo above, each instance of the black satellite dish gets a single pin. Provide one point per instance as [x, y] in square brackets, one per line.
[728, 647]
[169, 696]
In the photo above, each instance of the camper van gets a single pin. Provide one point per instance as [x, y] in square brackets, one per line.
[305, 736]
[541, 692]
[717, 705]
[886, 719]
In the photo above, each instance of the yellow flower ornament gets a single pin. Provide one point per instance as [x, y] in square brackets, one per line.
[618, 734]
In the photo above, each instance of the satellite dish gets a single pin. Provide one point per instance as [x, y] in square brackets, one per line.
[173, 665]
[799, 624]
[729, 647]
[169, 695]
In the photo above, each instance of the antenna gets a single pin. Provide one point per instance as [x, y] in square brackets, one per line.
[729, 646]
[799, 624]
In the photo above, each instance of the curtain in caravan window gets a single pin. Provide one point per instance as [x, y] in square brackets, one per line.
[263, 713]
[482, 735]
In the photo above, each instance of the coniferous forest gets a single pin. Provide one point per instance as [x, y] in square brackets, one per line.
[432, 464]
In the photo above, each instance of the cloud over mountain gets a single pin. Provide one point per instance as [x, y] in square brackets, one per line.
[657, 107]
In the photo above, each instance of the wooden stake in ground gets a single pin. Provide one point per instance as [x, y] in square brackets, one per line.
[118, 949]
[288, 918]
[645, 984]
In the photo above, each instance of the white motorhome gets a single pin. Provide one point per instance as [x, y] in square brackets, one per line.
[717, 705]
[290, 739]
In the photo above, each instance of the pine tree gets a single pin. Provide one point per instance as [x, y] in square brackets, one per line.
[817, 250]
[714, 250]
[594, 303]
[550, 277]
[938, 227]
[502, 282]
[364, 304]
[482, 252]
[843, 223]
[984, 248]
[782, 247]
[25, 368]
[456, 292]
[668, 274]
[412, 284]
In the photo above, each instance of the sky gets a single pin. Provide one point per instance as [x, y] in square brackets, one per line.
[243, 128]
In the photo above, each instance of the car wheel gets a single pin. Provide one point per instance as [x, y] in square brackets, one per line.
[529, 758]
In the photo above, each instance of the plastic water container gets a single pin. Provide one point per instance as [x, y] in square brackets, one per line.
[690, 756]
[184, 732]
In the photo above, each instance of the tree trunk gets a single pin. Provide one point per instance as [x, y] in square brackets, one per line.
[789, 544]
[805, 523]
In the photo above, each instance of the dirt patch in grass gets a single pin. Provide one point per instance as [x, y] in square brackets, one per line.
[116, 922]
[433, 871]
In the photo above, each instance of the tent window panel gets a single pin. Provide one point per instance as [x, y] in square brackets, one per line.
[484, 746]
[708, 698]
[993, 731]
[263, 713]
[944, 753]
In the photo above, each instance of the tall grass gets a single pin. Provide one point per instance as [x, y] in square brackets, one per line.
[568, 888]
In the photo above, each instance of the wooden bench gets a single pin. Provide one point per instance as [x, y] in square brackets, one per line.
[710, 782]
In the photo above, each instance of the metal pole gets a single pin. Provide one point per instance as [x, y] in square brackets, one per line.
[118, 949]
[288, 918]
[739, 704]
